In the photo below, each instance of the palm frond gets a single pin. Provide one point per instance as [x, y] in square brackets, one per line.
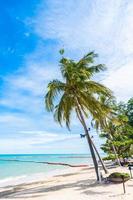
[87, 59]
[54, 89]
[90, 103]
[97, 68]
[98, 88]
[64, 109]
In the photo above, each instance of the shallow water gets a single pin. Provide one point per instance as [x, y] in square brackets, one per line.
[13, 166]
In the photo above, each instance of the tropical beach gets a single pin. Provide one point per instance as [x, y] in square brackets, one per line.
[70, 184]
[66, 100]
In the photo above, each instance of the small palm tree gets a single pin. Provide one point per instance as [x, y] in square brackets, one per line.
[78, 93]
[109, 124]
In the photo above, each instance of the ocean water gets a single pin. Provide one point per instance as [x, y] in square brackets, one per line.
[12, 166]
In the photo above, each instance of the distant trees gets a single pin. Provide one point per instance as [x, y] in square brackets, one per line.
[119, 132]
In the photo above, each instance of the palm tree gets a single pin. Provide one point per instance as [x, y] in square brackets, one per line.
[108, 124]
[110, 130]
[79, 93]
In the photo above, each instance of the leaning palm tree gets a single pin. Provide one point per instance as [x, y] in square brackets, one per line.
[78, 93]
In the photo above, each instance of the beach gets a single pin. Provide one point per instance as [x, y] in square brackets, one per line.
[69, 184]
[66, 100]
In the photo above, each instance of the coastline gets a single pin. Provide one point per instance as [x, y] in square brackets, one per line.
[42, 176]
[67, 184]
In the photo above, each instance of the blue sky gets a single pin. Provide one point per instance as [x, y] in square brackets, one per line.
[31, 35]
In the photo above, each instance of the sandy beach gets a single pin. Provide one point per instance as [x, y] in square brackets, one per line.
[70, 184]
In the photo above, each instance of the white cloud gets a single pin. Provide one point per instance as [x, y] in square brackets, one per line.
[32, 78]
[103, 26]
[92, 25]
[121, 82]
[26, 89]
[33, 141]
[10, 119]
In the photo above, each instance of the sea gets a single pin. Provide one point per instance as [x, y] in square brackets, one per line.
[26, 165]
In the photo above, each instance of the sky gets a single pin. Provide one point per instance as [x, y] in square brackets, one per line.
[31, 35]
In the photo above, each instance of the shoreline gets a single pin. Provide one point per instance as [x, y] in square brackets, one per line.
[29, 178]
[68, 184]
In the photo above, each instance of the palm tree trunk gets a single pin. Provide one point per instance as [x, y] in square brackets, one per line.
[102, 163]
[100, 159]
[117, 158]
[89, 141]
[114, 149]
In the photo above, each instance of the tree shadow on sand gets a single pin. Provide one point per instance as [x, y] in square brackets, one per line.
[22, 190]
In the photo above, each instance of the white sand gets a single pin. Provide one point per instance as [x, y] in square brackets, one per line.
[75, 184]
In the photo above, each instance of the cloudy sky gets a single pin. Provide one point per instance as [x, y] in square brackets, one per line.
[31, 35]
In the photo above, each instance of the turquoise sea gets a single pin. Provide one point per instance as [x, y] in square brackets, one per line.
[18, 165]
